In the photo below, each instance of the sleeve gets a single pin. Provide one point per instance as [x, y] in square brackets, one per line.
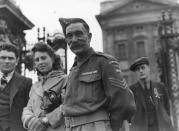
[53, 97]
[121, 105]
[28, 87]
[56, 118]
[27, 113]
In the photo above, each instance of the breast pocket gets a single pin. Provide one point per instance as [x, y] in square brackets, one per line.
[89, 84]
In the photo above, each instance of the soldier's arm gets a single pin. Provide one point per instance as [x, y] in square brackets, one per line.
[55, 118]
[121, 104]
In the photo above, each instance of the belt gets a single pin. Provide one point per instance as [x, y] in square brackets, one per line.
[88, 118]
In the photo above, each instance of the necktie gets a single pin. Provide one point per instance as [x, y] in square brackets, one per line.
[3, 82]
[145, 85]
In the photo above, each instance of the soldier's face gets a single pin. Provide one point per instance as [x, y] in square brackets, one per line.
[143, 71]
[43, 62]
[78, 38]
[8, 61]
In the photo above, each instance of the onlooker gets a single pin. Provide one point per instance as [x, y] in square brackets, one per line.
[14, 89]
[97, 97]
[45, 94]
[152, 102]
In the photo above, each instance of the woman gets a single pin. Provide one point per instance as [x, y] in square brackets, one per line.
[45, 95]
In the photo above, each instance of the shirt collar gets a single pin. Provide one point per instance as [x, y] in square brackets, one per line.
[142, 83]
[8, 77]
[89, 53]
[53, 73]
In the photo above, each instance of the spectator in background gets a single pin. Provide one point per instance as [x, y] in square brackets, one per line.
[45, 94]
[152, 102]
[14, 89]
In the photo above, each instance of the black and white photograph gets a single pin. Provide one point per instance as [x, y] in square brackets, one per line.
[89, 65]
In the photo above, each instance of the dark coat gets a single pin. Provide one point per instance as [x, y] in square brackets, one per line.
[161, 103]
[19, 95]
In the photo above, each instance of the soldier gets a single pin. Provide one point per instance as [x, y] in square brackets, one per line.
[97, 96]
[152, 102]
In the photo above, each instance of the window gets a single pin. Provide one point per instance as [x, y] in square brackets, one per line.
[140, 49]
[139, 28]
[119, 30]
[122, 51]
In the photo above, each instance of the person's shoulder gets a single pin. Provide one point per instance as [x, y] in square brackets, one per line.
[160, 84]
[22, 77]
[134, 86]
[106, 58]
[108, 61]
[26, 78]
[104, 55]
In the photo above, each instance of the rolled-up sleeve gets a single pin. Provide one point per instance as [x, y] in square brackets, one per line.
[121, 105]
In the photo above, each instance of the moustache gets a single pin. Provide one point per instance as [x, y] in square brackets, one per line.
[75, 45]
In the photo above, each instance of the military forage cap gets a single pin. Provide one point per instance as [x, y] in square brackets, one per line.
[67, 21]
[139, 61]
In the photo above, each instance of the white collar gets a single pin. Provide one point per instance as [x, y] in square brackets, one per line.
[9, 75]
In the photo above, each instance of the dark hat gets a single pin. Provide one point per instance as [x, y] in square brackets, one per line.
[67, 21]
[139, 61]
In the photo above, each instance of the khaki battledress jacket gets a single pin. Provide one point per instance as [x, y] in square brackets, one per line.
[96, 91]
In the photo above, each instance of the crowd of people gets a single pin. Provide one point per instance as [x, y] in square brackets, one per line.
[94, 96]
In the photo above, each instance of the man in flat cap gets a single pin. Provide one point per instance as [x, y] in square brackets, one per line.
[152, 102]
[97, 96]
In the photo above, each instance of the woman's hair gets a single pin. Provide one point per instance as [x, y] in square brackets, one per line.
[43, 47]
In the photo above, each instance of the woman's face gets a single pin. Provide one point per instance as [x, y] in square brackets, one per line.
[43, 62]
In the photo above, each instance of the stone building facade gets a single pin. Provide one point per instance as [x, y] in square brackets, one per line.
[130, 30]
[12, 25]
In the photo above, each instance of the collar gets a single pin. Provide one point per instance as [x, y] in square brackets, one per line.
[89, 53]
[53, 73]
[142, 83]
[8, 77]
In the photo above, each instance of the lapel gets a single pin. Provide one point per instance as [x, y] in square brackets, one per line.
[51, 82]
[154, 88]
[140, 94]
[37, 87]
[14, 85]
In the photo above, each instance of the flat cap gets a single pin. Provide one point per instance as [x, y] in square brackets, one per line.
[67, 21]
[139, 61]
